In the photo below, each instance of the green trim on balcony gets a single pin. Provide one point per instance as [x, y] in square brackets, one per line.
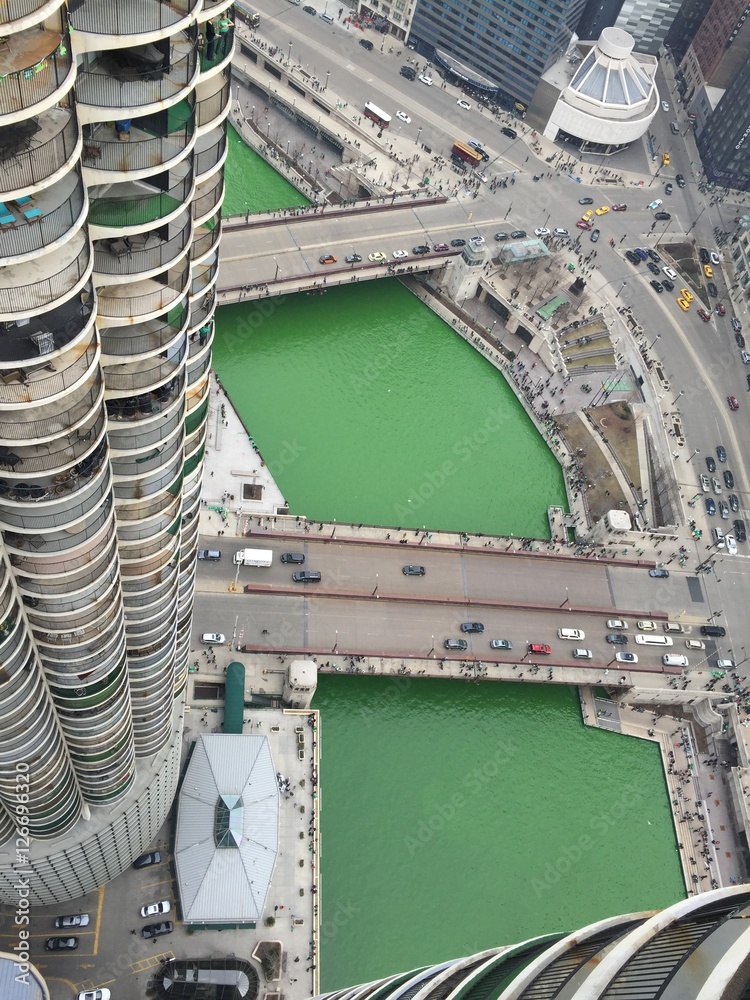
[131, 211]
[116, 793]
[196, 417]
[176, 487]
[192, 463]
[92, 696]
[174, 528]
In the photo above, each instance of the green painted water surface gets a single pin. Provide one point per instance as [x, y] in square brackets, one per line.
[251, 184]
[368, 408]
[458, 817]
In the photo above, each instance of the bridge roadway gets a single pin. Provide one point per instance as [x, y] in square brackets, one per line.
[366, 606]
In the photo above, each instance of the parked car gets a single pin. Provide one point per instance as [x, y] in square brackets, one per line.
[617, 639]
[724, 510]
[710, 463]
[518, 234]
[463, 104]
[74, 920]
[377, 257]
[710, 506]
[439, 247]
[646, 625]
[542, 231]
[512, 134]
[421, 249]
[353, 258]
[736, 325]
[147, 860]
[540, 648]
[366, 44]
[501, 644]
[156, 930]
[728, 479]
[399, 254]
[61, 944]
[617, 623]
[740, 530]
[659, 574]
[662, 216]
[327, 258]
[595, 234]
[152, 909]
[459, 644]
[734, 502]
[100, 994]
[413, 570]
[458, 243]
[295, 558]
[472, 627]
[626, 657]
[426, 80]
[408, 72]
[213, 638]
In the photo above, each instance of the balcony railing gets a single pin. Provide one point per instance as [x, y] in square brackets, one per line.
[151, 302]
[103, 150]
[208, 200]
[140, 379]
[29, 86]
[67, 452]
[207, 158]
[33, 520]
[200, 311]
[134, 491]
[158, 256]
[43, 291]
[204, 275]
[120, 341]
[27, 164]
[194, 374]
[110, 84]
[210, 108]
[221, 49]
[23, 343]
[102, 17]
[51, 385]
[13, 10]
[31, 430]
[205, 239]
[46, 229]
[142, 209]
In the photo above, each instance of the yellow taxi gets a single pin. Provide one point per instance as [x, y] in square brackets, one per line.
[708, 270]
[686, 294]
[683, 304]
[588, 215]
[665, 159]
[602, 210]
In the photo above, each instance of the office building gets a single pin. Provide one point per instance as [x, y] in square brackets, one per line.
[598, 15]
[648, 21]
[696, 949]
[724, 139]
[717, 53]
[684, 27]
[112, 140]
[495, 47]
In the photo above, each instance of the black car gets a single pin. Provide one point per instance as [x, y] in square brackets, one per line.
[703, 254]
[502, 236]
[61, 944]
[734, 502]
[740, 530]
[653, 255]
[460, 644]
[472, 627]
[413, 570]
[653, 268]
[353, 258]
[662, 216]
[659, 574]
[667, 187]
[617, 639]
[156, 930]
[657, 286]
[680, 181]
[595, 234]
[366, 44]
[585, 201]
[716, 631]
[710, 463]
[297, 558]
[518, 234]
[721, 452]
[632, 257]
[712, 289]
[310, 10]
[669, 285]
[728, 479]
[146, 860]
[736, 326]
[510, 133]
[307, 576]
[417, 251]
[408, 72]
[458, 243]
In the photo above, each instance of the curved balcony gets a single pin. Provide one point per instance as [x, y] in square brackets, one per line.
[48, 333]
[129, 17]
[40, 517]
[56, 455]
[201, 310]
[208, 197]
[156, 140]
[20, 10]
[53, 487]
[43, 147]
[147, 406]
[197, 371]
[48, 427]
[210, 152]
[36, 70]
[144, 376]
[222, 52]
[147, 298]
[204, 275]
[212, 99]
[149, 462]
[43, 385]
[129, 490]
[54, 277]
[134, 205]
[144, 254]
[145, 339]
[134, 81]
[58, 212]
[205, 238]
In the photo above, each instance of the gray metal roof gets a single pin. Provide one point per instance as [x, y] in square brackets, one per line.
[229, 883]
[33, 988]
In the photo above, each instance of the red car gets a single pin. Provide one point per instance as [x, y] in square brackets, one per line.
[733, 404]
[704, 315]
[619, 208]
[721, 311]
[583, 225]
[539, 647]
[440, 246]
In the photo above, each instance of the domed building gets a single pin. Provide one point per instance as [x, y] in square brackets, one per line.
[601, 96]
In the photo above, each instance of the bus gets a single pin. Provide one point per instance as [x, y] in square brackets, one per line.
[376, 115]
[466, 153]
[244, 13]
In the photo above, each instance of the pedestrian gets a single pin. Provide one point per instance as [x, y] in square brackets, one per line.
[224, 34]
[210, 40]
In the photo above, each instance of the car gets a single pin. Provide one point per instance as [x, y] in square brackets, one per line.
[668, 189]
[646, 625]
[684, 304]
[542, 231]
[403, 117]
[477, 241]
[585, 201]
[617, 639]
[152, 909]
[704, 256]
[399, 254]
[602, 210]
[716, 485]
[669, 285]
[61, 944]
[731, 543]
[559, 231]
[662, 216]
[307, 576]
[728, 479]
[583, 225]
[588, 215]
[74, 920]
[732, 402]
[582, 654]
[213, 638]
[708, 270]
[617, 623]
[460, 644]
[626, 657]
[745, 357]
[686, 294]
[502, 236]
[426, 80]
[705, 483]
[694, 644]
[595, 234]
[147, 860]
[310, 10]
[209, 555]
[719, 309]
[327, 258]
[501, 644]
[710, 506]
[101, 994]
[295, 558]
[518, 234]
[366, 44]
[458, 243]
[659, 574]
[408, 72]
[512, 134]
[724, 510]
[643, 254]
[747, 379]
[715, 258]
[540, 648]
[463, 104]
[439, 247]
[633, 257]
[655, 203]
[653, 255]
[680, 181]
[739, 530]
[156, 930]
[734, 502]
[714, 631]
[713, 291]
[472, 627]
[422, 248]
[657, 285]
[736, 325]
[665, 106]
[703, 315]
[653, 268]
[674, 128]
[377, 257]
[413, 570]
[353, 258]
[670, 273]
[710, 463]
[619, 208]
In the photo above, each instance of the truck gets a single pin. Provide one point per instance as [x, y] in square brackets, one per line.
[464, 152]
[253, 557]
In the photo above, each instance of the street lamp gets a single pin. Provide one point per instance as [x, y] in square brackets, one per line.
[419, 132]
[289, 57]
[621, 288]
[277, 269]
[680, 393]
[658, 337]
[696, 452]
[328, 73]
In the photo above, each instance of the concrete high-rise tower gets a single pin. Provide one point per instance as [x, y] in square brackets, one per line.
[112, 142]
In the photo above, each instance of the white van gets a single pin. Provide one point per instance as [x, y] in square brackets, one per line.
[725, 664]
[327, 18]
[718, 537]
[571, 633]
[674, 660]
[654, 640]
[672, 627]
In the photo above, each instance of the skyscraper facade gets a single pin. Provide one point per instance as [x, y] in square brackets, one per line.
[648, 21]
[500, 47]
[686, 23]
[720, 47]
[697, 949]
[724, 141]
[112, 141]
